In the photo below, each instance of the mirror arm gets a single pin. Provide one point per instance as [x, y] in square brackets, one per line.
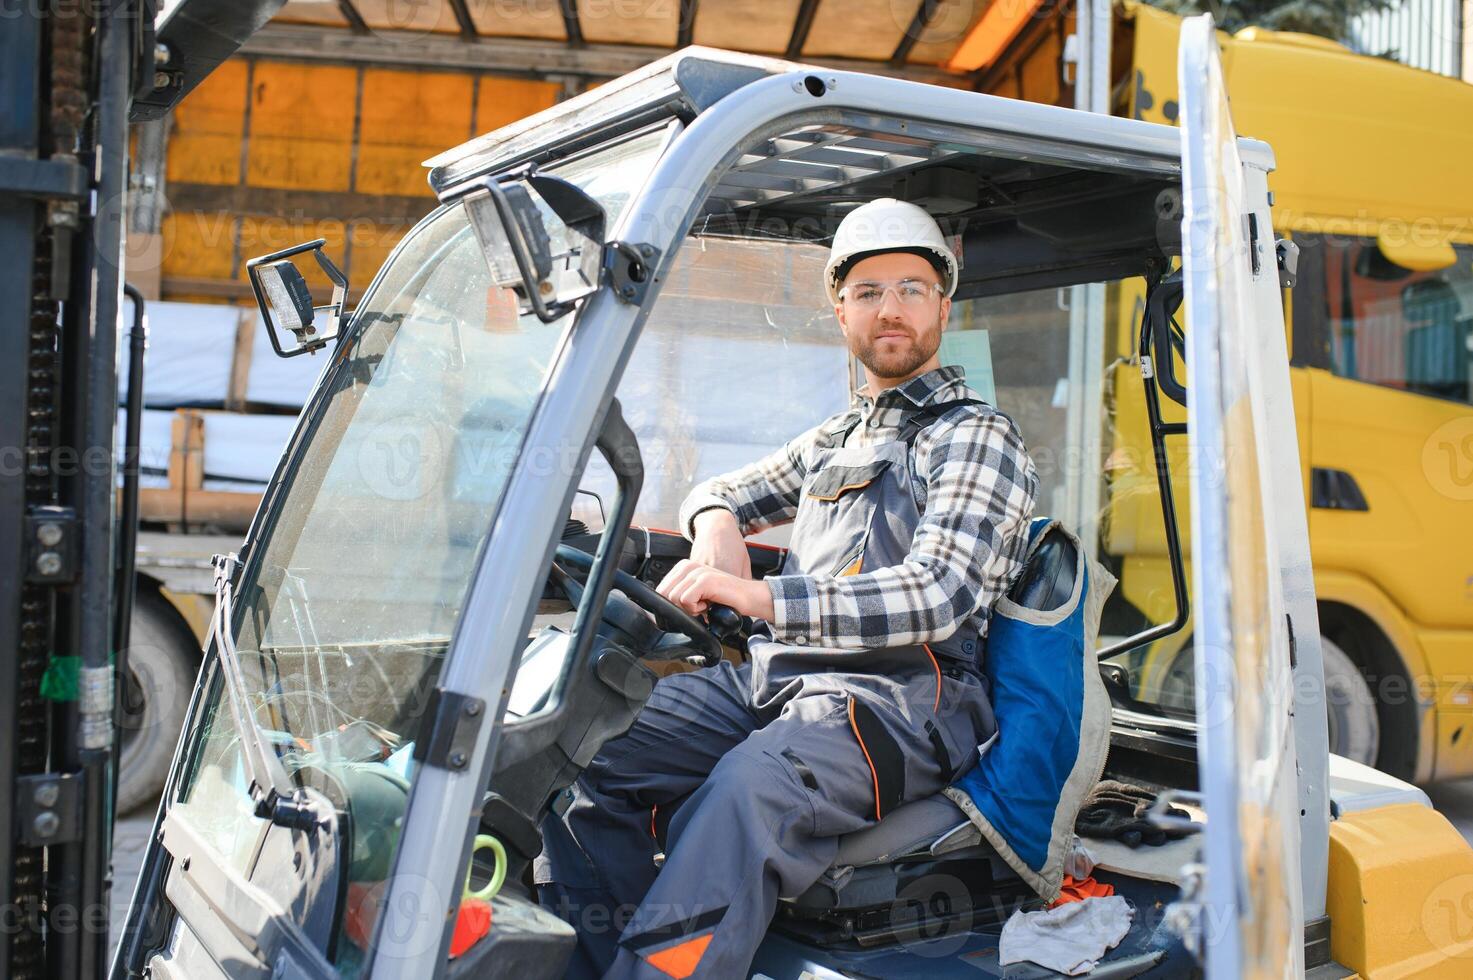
[521, 250]
[339, 288]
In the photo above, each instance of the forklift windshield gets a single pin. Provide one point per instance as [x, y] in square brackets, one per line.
[367, 549]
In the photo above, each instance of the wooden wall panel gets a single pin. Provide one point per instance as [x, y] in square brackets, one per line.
[198, 245]
[858, 28]
[371, 243]
[197, 253]
[409, 16]
[261, 234]
[505, 100]
[301, 126]
[763, 26]
[949, 26]
[991, 40]
[653, 22]
[518, 18]
[311, 12]
[204, 140]
[1007, 87]
[1039, 72]
[406, 118]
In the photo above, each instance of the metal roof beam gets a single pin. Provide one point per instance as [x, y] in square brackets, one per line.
[463, 19]
[570, 22]
[398, 210]
[802, 24]
[800, 169]
[506, 55]
[687, 27]
[355, 20]
[918, 24]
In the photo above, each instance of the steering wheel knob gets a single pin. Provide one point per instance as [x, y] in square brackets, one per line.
[724, 621]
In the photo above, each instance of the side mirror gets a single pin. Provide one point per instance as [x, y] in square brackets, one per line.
[285, 299]
[550, 262]
[517, 246]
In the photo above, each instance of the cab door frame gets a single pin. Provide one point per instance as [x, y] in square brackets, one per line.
[1263, 740]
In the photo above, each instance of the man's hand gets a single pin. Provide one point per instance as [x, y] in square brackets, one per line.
[718, 543]
[719, 570]
[693, 587]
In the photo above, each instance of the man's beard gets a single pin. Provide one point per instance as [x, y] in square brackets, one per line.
[897, 364]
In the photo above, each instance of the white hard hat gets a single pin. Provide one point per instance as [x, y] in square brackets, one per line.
[886, 225]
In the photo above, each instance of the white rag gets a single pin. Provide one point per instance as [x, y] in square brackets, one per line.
[1069, 939]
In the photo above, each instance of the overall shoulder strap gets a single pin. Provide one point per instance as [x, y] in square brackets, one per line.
[918, 422]
[923, 418]
[836, 433]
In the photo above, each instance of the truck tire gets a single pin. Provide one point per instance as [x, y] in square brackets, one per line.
[1355, 726]
[163, 659]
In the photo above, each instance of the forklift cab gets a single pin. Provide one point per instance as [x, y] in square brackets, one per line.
[445, 603]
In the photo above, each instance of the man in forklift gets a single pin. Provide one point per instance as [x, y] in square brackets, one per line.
[863, 687]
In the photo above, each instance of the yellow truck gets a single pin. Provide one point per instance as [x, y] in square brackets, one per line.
[1372, 186]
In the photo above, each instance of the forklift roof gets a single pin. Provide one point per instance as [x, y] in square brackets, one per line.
[1038, 196]
[690, 81]
[680, 85]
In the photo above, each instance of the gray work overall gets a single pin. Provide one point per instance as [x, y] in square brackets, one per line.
[765, 764]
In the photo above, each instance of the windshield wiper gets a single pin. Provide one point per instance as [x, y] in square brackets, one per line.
[271, 788]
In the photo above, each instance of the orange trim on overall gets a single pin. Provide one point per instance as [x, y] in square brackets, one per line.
[937, 664]
[875, 776]
[680, 961]
[842, 490]
[652, 823]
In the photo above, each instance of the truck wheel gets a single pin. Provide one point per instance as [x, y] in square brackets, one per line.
[163, 660]
[1355, 728]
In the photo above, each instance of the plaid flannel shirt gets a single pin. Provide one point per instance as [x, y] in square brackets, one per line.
[976, 486]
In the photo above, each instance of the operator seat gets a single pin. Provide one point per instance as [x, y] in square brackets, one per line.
[874, 865]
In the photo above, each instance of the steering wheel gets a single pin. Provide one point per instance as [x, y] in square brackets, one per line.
[704, 640]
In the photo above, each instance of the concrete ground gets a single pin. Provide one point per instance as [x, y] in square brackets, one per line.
[130, 840]
[1454, 800]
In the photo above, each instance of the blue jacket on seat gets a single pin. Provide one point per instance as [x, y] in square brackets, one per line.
[1053, 715]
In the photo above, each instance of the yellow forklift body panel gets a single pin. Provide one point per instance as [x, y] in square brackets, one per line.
[1400, 894]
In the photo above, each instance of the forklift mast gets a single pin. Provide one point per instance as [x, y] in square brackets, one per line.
[70, 75]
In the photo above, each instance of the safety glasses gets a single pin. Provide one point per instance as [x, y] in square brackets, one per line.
[869, 294]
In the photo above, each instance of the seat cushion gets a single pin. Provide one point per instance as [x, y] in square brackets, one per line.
[875, 865]
[910, 829]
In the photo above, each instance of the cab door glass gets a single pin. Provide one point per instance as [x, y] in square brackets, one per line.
[1397, 327]
[740, 354]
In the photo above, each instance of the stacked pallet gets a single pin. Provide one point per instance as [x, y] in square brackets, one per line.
[219, 406]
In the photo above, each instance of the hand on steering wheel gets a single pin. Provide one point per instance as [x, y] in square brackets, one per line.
[705, 640]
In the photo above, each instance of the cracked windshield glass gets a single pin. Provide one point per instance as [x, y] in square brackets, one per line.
[344, 619]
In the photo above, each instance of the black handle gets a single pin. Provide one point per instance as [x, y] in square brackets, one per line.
[724, 621]
[1160, 341]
